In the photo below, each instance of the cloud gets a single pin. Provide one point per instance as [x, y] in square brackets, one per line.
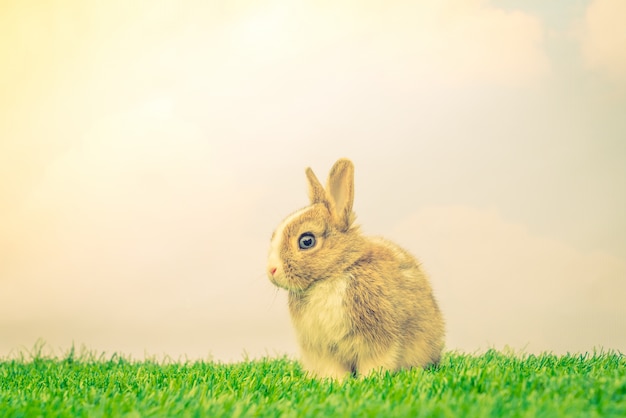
[474, 42]
[451, 43]
[499, 284]
[603, 38]
[288, 69]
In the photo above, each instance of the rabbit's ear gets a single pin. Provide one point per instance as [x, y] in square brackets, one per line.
[316, 191]
[340, 188]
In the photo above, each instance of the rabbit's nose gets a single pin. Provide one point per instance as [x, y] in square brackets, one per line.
[272, 270]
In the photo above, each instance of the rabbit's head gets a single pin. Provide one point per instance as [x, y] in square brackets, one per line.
[320, 240]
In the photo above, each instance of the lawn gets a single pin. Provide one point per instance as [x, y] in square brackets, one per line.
[488, 385]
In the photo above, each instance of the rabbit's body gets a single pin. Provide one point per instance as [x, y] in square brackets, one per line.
[358, 304]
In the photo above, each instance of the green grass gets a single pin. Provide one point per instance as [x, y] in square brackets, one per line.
[488, 385]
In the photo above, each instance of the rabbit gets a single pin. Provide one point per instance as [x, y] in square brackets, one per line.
[358, 304]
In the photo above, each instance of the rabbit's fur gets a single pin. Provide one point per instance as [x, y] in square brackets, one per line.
[358, 304]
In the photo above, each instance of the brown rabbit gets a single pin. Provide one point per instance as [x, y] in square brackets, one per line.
[358, 304]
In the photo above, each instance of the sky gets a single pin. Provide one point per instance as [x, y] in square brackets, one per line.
[149, 149]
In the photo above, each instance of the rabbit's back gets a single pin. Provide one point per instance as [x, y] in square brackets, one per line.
[390, 302]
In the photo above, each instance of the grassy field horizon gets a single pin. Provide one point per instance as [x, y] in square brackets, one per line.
[494, 383]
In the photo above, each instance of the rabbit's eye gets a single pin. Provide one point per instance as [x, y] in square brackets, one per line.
[306, 241]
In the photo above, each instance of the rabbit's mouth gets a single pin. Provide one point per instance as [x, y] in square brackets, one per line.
[280, 280]
[277, 283]
[277, 277]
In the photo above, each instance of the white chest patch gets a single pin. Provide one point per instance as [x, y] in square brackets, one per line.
[324, 321]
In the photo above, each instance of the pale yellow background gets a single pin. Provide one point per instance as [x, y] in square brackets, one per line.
[149, 148]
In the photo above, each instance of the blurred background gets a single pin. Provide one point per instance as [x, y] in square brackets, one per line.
[149, 148]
